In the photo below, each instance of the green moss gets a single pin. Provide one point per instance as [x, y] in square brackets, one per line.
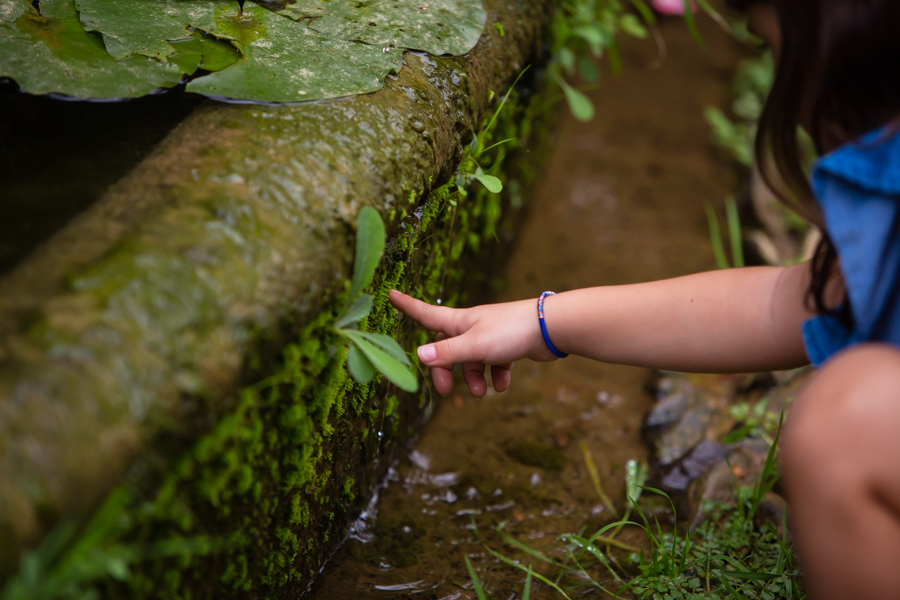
[348, 489]
[279, 476]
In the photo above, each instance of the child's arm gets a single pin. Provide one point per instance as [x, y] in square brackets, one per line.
[729, 321]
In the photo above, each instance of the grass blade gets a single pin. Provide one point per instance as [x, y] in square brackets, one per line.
[715, 238]
[526, 549]
[540, 577]
[645, 11]
[714, 14]
[635, 477]
[500, 143]
[490, 124]
[595, 479]
[526, 593]
[692, 25]
[479, 591]
[770, 474]
[734, 233]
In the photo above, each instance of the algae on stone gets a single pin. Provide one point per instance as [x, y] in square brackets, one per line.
[52, 53]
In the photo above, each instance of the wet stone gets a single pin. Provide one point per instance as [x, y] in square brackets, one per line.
[742, 466]
[689, 410]
[698, 461]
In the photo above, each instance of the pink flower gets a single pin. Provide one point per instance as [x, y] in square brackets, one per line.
[671, 7]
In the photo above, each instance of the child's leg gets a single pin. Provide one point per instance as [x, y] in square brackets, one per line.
[841, 460]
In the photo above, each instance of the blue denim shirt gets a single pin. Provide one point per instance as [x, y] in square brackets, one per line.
[858, 188]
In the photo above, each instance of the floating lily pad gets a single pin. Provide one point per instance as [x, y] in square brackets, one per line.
[143, 26]
[286, 61]
[52, 53]
[203, 51]
[435, 26]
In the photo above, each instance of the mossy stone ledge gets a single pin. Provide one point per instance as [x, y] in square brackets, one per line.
[175, 341]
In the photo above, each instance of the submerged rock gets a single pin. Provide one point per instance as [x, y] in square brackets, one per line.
[536, 454]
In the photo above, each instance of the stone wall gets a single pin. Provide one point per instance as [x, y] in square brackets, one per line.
[175, 342]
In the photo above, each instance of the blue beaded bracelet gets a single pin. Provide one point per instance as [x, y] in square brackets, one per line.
[547, 341]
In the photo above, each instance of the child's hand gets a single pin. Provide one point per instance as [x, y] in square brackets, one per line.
[493, 334]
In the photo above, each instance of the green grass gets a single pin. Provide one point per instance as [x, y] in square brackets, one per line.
[730, 555]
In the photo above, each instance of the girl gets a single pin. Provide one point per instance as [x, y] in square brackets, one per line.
[838, 77]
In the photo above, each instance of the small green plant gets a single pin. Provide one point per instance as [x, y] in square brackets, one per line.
[755, 421]
[469, 169]
[751, 87]
[73, 561]
[728, 555]
[583, 31]
[369, 352]
[734, 235]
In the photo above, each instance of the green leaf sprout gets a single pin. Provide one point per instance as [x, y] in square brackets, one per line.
[370, 352]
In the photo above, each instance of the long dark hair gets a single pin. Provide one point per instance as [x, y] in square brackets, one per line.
[838, 75]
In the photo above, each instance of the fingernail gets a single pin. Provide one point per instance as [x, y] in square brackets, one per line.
[427, 353]
[395, 293]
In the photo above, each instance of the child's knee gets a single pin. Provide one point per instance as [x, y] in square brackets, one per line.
[849, 411]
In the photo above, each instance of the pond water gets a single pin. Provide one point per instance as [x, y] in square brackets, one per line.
[58, 157]
[621, 202]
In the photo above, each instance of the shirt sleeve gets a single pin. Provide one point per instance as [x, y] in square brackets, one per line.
[825, 336]
[863, 224]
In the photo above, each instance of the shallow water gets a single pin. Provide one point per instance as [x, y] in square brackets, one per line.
[621, 202]
[57, 157]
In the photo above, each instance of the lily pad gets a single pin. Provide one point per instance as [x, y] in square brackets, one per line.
[52, 53]
[143, 26]
[203, 51]
[285, 61]
[434, 26]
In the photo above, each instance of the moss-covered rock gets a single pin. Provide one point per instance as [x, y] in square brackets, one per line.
[177, 340]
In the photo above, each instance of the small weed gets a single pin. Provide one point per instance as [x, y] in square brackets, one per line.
[727, 556]
[584, 31]
[469, 169]
[735, 236]
[370, 352]
[755, 421]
